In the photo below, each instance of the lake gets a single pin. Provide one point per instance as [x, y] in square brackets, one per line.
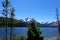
[46, 32]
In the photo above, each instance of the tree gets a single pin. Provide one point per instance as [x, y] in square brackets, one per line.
[6, 4]
[34, 32]
[57, 15]
[12, 15]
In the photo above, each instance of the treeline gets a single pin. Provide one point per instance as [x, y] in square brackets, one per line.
[16, 23]
[19, 23]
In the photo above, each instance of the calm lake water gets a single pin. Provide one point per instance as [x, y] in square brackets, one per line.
[46, 32]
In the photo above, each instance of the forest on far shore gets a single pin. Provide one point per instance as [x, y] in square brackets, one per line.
[19, 23]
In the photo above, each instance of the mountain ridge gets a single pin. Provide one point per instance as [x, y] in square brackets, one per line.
[27, 21]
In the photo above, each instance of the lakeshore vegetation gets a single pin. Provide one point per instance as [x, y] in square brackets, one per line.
[33, 33]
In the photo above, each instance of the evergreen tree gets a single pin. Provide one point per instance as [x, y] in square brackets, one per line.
[33, 32]
[6, 4]
[12, 15]
[6, 10]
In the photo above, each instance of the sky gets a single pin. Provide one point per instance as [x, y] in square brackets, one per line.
[40, 10]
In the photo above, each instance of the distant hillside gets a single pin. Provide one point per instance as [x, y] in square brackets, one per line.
[25, 22]
[3, 21]
[53, 23]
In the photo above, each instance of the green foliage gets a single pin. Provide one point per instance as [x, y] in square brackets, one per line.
[33, 32]
[3, 21]
[21, 37]
[15, 22]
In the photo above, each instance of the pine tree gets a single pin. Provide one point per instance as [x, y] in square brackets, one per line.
[34, 32]
[6, 4]
[6, 10]
[11, 18]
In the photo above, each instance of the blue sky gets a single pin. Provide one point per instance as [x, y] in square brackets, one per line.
[40, 10]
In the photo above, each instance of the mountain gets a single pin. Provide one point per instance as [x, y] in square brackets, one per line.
[27, 21]
[54, 23]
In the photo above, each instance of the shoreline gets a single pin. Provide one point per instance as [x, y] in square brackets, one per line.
[50, 38]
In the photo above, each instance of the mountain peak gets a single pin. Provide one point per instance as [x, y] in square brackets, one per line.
[27, 19]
